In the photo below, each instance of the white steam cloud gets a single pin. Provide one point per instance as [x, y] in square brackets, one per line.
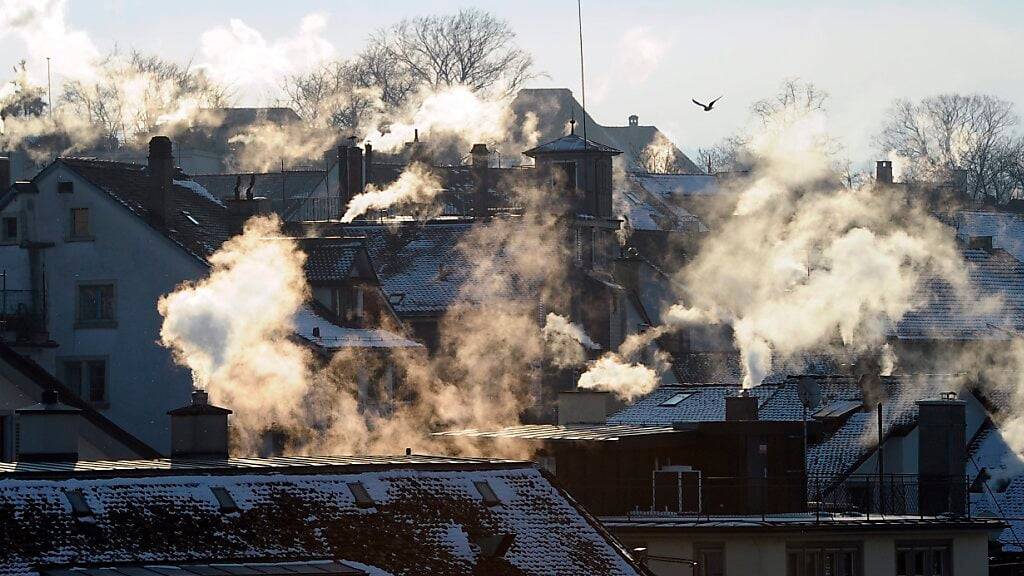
[416, 184]
[566, 342]
[626, 380]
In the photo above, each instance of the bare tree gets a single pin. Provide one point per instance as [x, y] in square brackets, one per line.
[22, 98]
[330, 97]
[470, 48]
[949, 135]
[132, 93]
[794, 95]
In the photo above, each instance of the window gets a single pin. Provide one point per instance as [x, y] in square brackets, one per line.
[362, 497]
[225, 502]
[65, 187]
[79, 506]
[487, 493]
[926, 558]
[563, 175]
[86, 377]
[710, 559]
[96, 304]
[675, 399]
[348, 302]
[80, 224]
[9, 230]
[823, 559]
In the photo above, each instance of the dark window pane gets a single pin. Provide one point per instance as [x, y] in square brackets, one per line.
[97, 381]
[96, 302]
[793, 564]
[73, 376]
[80, 222]
[919, 563]
[10, 228]
[811, 564]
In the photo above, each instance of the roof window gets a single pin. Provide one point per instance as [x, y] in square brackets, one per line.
[675, 399]
[363, 498]
[190, 217]
[224, 499]
[65, 187]
[79, 507]
[487, 493]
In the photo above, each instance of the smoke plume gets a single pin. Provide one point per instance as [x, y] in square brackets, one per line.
[416, 184]
[566, 342]
[627, 381]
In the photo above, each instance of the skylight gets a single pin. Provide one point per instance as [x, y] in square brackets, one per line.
[363, 498]
[79, 507]
[675, 399]
[487, 493]
[227, 503]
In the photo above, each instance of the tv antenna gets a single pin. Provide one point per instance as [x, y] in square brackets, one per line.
[583, 77]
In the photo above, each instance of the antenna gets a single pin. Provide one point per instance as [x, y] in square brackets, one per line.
[583, 77]
[49, 91]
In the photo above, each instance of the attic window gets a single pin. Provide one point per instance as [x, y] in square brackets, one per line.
[190, 218]
[227, 503]
[65, 187]
[487, 493]
[363, 498]
[494, 546]
[675, 399]
[79, 507]
[396, 299]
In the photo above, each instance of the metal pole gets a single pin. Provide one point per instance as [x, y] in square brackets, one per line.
[49, 91]
[881, 457]
[583, 80]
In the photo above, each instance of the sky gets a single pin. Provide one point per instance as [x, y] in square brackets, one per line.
[643, 57]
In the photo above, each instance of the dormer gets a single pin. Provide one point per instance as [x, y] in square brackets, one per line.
[579, 168]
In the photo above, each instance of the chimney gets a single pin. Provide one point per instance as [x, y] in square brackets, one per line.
[883, 171]
[980, 243]
[244, 206]
[482, 202]
[742, 407]
[350, 174]
[5, 174]
[48, 431]
[161, 171]
[367, 164]
[582, 407]
[942, 454]
[634, 120]
[199, 430]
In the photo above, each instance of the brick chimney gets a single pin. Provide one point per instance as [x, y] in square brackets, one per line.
[245, 204]
[48, 431]
[483, 203]
[161, 171]
[942, 454]
[199, 430]
[883, 171]
[350, 174]
[742, 407]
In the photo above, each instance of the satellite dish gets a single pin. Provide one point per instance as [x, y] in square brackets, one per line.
[809, 392]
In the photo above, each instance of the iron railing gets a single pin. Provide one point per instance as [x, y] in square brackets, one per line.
[821, 496]
[22, 313]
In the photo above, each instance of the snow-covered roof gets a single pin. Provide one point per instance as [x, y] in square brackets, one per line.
[332, 336]
[668, 186]
[1006, 229]
[402, 515]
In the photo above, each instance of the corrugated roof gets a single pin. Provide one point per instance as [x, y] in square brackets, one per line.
[570, 432]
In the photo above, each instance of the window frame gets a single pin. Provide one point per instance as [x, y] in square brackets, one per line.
[81, 322]
[5, 238]
[821, 548]
[700, 548]
[72, 236]
[567, 186]
[84, 387]
[927, 546]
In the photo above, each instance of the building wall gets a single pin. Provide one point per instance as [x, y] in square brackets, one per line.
[142, 380]
[765, 554]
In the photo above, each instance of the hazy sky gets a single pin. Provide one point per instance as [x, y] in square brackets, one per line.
[643, 57]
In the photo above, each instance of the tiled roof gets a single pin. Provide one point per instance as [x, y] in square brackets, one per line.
[330, 259]
[571, 143]
[1006, 230]
[669, 186]
[1002, 495]
[130, 184]
[401, 519]
[944, 315]
[310, 568]
[331, 336]
[422, 268]
[706, 403]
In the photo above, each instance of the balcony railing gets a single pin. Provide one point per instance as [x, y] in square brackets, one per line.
[22, 313]
[689, 493]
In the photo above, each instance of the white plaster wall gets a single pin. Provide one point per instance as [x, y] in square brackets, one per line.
[143, 382]
[764, 553]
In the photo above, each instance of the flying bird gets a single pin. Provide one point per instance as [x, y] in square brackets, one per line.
[707, 107]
